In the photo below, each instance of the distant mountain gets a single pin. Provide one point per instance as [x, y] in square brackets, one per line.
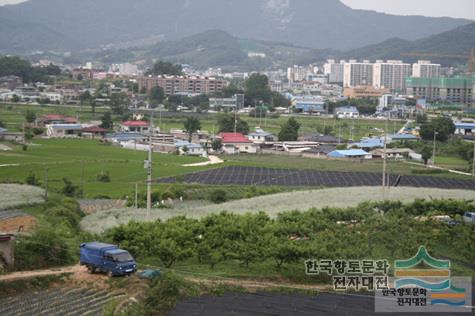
[458, 41]
[215, 48]
[73, 24]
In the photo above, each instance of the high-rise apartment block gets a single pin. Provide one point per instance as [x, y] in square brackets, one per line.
[182, 84]
[334, 70]
[425, 69]
[358, 73]
[391, 74]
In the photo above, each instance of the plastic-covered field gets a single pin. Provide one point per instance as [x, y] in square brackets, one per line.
[310, 178]
[281, 304]
[58, 302]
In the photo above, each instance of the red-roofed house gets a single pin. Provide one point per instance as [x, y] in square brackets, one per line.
[56, 119]
[235, 143]
[93, 132]
[135, 126]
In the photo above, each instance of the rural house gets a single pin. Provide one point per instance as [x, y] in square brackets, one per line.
[235, 143]
[350, 154]
[135, 126]
[259, 136]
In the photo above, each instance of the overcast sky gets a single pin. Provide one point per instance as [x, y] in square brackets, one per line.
[453, 8]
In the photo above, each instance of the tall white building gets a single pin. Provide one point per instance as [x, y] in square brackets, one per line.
[425, 69]
[125, 69]
[357, 73]
[391, 74]
[296, 73]
[334, 71]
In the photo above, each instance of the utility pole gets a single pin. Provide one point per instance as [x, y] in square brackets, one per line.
[385, 163]
[433, 150]
[473, 163]
[46, 184]
[149, 169]
[136, 204]
[82, 178]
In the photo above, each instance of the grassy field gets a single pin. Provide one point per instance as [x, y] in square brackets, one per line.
[13, 115]
[85, 159]
[309, 124]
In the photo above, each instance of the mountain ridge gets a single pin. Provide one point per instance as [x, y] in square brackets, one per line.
[318, 24]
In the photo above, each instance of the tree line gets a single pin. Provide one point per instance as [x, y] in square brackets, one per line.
[385, 230]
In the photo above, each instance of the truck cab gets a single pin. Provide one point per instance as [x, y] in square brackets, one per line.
[100, 257]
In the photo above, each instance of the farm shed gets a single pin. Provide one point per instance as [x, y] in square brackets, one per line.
[7, 242]
[63, 130]
[350, 154]
[16, 221]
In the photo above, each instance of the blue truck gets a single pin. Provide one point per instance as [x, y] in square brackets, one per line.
[101, 257]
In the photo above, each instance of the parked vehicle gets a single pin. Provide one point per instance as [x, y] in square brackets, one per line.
[101, 257]
[469, 217]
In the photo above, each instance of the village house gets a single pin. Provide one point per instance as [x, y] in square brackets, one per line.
[235, 143]
[135, 127]
[259, 136]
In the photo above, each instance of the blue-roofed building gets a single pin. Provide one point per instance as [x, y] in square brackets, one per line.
[63, 130]
[350, 154]
[126, 137]
[309, 104]
[3, 130]
[259, 136]
[465, 129]
[190, 149]
[402, 137]
[369, 143]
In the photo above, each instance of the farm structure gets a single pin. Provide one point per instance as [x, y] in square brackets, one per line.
[61, 301]
[301, 177]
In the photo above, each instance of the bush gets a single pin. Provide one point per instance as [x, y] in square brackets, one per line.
[104, 177]
[43, 249]
[31, 179]
[218, 196]
[70, 190]
[167, 291]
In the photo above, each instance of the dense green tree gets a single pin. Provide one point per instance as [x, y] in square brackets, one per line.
[2, 125]
[278, 100]
[166, 68]
[216, 145]
[191, 125]
[443, 126]
[156, 96]
[426, 154]
[106, 121]
[226, 123]
[30, 116]
[257, 89]
[119, 103]
[290, 130]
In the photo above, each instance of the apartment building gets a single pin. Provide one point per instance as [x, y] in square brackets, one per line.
[358, 73]
[334, 70]
[182, 84]
[425, 69]
[391, 75]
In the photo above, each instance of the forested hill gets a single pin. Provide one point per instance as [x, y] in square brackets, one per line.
[73, 24]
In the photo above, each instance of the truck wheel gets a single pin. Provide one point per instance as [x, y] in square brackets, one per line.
[91, 270]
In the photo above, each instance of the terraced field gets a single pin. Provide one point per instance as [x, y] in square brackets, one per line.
[60, 302]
